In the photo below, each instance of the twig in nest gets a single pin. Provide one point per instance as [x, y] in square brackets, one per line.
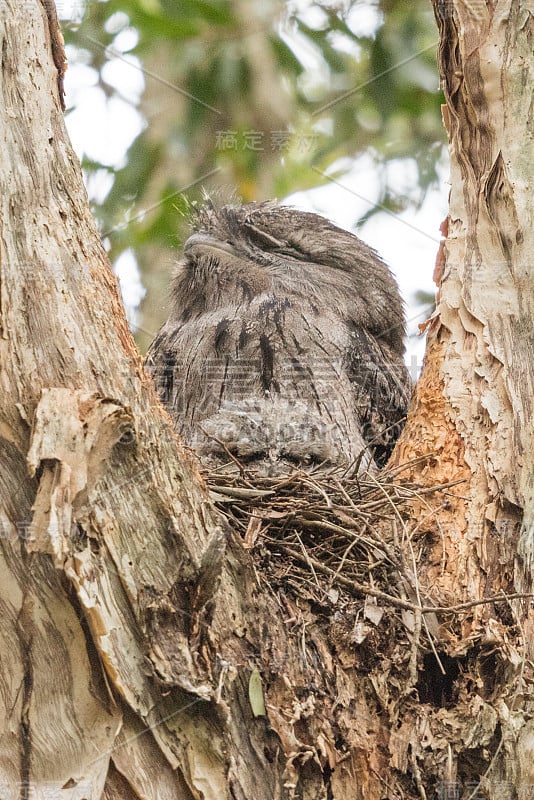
[349, 584]
[226, 450]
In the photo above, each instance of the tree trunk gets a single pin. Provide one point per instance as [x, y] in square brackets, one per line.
[474, 404]
[143, 652]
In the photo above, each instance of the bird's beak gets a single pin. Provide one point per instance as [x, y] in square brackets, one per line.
[200, 243]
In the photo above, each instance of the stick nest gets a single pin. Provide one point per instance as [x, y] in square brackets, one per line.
[329, 536]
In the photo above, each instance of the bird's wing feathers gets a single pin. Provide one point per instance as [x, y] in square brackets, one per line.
[382, 390]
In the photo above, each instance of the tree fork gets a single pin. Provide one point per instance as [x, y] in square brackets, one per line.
[132, 620]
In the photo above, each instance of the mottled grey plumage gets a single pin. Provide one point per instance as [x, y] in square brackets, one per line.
[284, 342]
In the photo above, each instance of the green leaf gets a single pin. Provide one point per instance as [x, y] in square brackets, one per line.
[255, 694]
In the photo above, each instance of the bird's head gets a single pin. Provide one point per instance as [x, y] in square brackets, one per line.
[239, 252]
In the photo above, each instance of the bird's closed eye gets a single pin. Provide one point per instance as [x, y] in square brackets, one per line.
[272, 244]
[265, 240]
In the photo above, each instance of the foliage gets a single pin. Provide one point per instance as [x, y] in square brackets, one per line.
[265, 98]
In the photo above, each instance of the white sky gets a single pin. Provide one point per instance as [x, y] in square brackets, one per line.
[103, 129]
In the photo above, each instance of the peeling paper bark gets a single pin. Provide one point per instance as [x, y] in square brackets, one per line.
[72, 438]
